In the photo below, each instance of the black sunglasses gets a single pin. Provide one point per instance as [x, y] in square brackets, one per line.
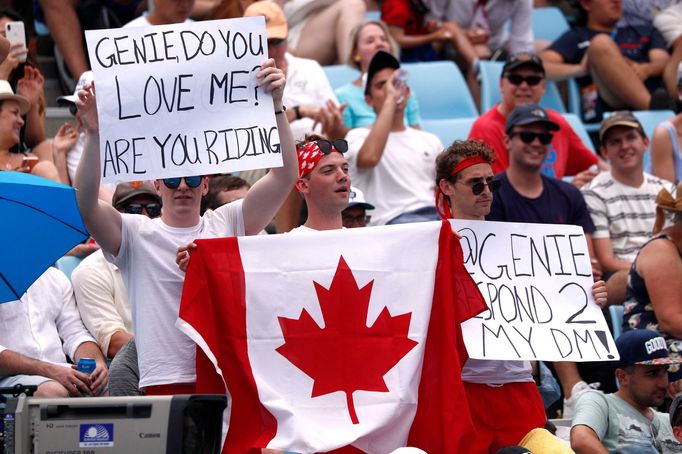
[152, 209]
[276, 42]
[191, 182]
[479, 185]
[528, 137]
[326, 146]
[530, 80]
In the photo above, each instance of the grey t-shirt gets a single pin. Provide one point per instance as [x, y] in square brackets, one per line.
[621, 428]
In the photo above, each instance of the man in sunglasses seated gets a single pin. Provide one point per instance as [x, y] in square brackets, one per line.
[526, 195]
[102, 297]
[145, 249]
[389, 161]
[523, 82]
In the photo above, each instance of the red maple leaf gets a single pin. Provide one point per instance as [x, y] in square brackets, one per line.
[345, 355]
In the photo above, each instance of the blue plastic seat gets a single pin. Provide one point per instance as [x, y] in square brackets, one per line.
[340, 75]
[441, 90]
[67, 264]
[548, 23]
[616, 311]
[373, 15]
[490, 73]
[579, 128]
[449, 130]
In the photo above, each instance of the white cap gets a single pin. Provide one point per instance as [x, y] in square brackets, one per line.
[86, 77]
[356, 197]
[408, 450]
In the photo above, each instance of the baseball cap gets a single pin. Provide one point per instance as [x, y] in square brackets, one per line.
[620, 118]
[358, 198]
[380, 60]
[275, 22]
[513, 450]
[86, 77]
[523, 59]
[643, 346]
[527, 114]
[127, 191]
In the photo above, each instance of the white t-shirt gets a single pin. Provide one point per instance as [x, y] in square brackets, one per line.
[404, 178]
[307, 85]
[154, 281]
[44, 323]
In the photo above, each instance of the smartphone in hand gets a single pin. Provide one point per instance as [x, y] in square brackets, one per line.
[15, 33]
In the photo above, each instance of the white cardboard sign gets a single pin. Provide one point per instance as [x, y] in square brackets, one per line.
[178, 100]
[537, 281]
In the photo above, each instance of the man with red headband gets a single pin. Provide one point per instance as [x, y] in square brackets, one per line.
[466, 185]
[323, 182]
[465, 189]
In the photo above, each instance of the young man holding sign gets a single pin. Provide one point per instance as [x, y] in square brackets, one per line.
[144, 249]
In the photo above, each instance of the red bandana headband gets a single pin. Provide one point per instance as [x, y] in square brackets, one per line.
[468, 162]
[442, 206]
[309, 154]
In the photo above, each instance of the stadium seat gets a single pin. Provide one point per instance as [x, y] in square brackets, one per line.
[67, 264]
[373, 15]
[579, 128]
[449, 130]
[616, 311]
[340, 74]
[441, 90]
[490, 73]
[548, 23]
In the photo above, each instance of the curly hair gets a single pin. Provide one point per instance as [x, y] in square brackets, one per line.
[458, 151]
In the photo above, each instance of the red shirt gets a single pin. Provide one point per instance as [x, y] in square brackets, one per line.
[399, 13]
[567, 153]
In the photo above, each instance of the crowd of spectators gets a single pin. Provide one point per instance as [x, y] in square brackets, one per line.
[520, 163]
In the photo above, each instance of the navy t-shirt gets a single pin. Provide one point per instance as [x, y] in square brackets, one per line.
[634, 42]
[559, 203]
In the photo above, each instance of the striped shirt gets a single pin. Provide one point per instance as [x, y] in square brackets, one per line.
[623, 213]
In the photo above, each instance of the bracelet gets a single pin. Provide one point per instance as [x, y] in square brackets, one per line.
[284, 109]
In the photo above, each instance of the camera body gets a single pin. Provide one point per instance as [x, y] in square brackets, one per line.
[155, 424]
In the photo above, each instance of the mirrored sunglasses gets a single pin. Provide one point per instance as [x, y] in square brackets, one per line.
[191, 182]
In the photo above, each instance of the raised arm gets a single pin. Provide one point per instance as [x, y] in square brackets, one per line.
[267, 194]
[101, 219]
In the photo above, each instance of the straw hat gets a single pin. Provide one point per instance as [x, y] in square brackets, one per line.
[6, 93]
[666, 202]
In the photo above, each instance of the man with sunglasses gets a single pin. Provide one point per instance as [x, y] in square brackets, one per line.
[389, 161]
[355, 214]
[523, 82]
[526, 195]
[323, 182]
[308, 93]
[145, 249]
[466, 187]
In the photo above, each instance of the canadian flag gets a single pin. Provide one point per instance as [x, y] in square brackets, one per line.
[344, 341]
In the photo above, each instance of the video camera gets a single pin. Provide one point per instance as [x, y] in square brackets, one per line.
[155, 424]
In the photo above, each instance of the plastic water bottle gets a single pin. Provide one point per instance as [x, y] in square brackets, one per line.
[400, 83]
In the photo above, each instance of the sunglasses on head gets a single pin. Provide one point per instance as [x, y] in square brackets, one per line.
[276, 42]
[478, 186]
[152, 209]
[326, 146]
[528, 137]
[517, 79]
[191, 182]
